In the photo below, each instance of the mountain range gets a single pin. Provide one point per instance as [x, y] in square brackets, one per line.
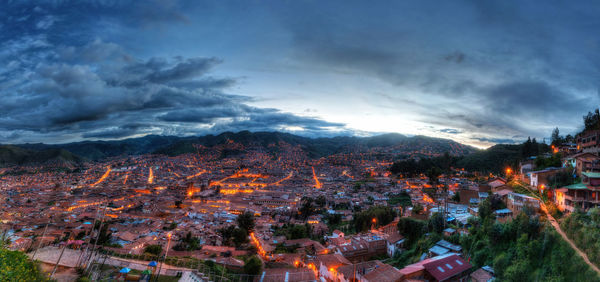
[77, 152]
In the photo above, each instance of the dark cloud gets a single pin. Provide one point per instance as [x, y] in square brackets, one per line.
[65, 88]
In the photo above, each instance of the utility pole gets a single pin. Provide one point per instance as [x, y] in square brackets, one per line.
[166, 253]
[59, 257]
[97, 237]
[40, 243]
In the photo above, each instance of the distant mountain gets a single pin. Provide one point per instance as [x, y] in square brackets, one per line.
[13, 155]
[314, 147]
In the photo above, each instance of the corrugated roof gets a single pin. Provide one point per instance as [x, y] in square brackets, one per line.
[576, 186]
[591, 174]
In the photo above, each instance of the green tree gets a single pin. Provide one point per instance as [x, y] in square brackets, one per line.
[246, 221]
[240, 236]
[153, 249]
[16, 266]
[253, 266]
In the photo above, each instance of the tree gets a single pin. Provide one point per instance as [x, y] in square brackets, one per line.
[381, 215]
[16, 266]
[433, 173]
[592, 120]
[246, 221]
[240, 236]
[153, 249]
[253, 266]
[556, 139]
[307, 208]
[411, 228]
[188, 243]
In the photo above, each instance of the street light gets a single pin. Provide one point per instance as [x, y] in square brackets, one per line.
[166, 253]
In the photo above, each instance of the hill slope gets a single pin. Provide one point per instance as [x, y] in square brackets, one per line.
[13, 155]
[314, 147]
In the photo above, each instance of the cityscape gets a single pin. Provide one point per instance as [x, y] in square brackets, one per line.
[299, 141]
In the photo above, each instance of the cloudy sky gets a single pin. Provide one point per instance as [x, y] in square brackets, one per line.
[479, 72]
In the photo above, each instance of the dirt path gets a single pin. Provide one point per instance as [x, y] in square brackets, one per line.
[566, 238]
[556, 226]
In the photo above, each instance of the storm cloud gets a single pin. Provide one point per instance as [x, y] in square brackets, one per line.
[476, 72]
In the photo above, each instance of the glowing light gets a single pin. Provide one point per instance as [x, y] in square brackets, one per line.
[317, 183]
[104, 176]
[126, 177]
[196, 175]
[427, 199]
[508, 171]
[150, 176]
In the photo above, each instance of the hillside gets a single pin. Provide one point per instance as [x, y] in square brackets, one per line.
[314, 147]
[13, 155]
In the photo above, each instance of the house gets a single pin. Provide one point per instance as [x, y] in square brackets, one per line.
[394, 244]
[541, 177]
[586, 162]
[450, 268]
[384, 273]
[585, 194]
[484, 274]
[588, 142]
[328, 265]
[517, 202]
[503, 215]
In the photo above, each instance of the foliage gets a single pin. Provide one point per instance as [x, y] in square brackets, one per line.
[16, 266]
[402, 199]
[591, 121]
[188, 243]
[307, 208]
[545, 162]
[153, 249]
[364, 220]
[294, 231]
[412, 167]
[412, 229]
[253, 266]
[561, 179]
[584, 230]
[246, 221]
[233, 236]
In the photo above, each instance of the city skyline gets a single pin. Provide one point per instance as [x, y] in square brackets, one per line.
[466, 71]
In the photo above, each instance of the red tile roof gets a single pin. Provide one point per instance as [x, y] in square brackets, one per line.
[447, 267]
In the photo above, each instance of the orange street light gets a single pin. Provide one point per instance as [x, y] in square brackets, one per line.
[508, 170]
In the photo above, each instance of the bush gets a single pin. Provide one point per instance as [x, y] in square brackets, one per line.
[16, 266]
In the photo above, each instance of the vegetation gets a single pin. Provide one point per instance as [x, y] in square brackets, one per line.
[246, 221]
[234, 236]
[584, 229]
[188, 243]
[402, 199]
[153, 249]
[253, 266]
[524, 249]
[294, 231]
[16, 266]
[430, 166]
[364, 220]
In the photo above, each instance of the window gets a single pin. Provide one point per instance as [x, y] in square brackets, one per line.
[440, 269]
[449, 266]
[459, 262]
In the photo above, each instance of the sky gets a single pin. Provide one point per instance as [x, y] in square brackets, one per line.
[477, 72]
